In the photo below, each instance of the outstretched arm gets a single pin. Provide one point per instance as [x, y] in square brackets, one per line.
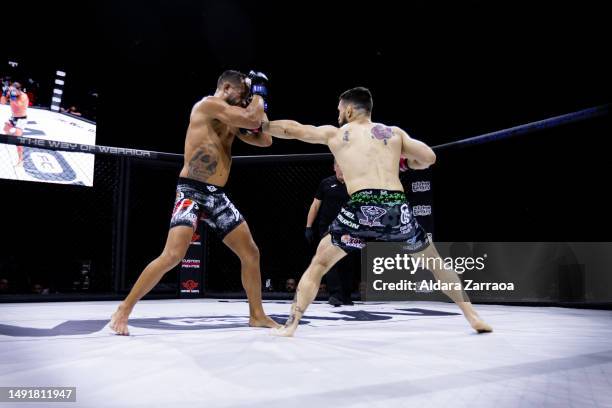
[289, 129]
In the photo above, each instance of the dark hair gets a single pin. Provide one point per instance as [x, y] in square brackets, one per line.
[235, 78]
[17, 85]
[360, 98]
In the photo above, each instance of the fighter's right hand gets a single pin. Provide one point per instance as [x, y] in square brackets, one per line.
[259, 83]
[403, 165]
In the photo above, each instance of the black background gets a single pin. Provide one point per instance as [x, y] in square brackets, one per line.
[442, 71]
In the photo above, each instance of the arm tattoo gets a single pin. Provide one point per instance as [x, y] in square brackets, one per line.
[203, 163]
[381, 132]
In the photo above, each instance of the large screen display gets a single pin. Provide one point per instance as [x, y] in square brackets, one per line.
[34, 164]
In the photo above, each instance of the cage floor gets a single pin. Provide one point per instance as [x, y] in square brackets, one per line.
[201, 352]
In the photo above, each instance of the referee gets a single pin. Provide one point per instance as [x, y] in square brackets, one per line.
[329, 198]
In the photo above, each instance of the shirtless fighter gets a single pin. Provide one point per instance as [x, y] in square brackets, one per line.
[369, 155]
[214, 123]
[19, 108]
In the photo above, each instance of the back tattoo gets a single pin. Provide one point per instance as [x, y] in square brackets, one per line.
[381, 132]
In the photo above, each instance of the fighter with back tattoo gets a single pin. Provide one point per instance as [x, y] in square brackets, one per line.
[215, 122]
[369, 155]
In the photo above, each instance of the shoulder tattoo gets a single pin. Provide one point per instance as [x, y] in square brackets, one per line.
[381, 132]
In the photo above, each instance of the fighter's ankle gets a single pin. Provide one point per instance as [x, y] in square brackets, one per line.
[125, 307]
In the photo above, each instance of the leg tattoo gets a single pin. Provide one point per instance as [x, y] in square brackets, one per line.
[294, 310]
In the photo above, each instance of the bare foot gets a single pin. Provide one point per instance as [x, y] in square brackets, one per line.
[119, 321]
[284, 331]
[263, 321]
[479, 325]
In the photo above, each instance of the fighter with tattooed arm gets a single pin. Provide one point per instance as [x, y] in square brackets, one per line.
[369, 155]
[238, 104]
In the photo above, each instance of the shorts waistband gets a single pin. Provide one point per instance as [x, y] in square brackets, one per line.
[381, 196]
[200, 185]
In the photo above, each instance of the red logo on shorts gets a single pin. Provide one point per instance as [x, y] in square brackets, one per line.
[183, 208]
[190, 284]
[183, 204]
[347, 240]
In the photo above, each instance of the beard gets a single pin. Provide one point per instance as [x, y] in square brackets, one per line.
[342, 121]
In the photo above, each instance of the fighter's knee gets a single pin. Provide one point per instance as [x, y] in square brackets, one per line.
[250, 253]
[321, 262]
[172, 257]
